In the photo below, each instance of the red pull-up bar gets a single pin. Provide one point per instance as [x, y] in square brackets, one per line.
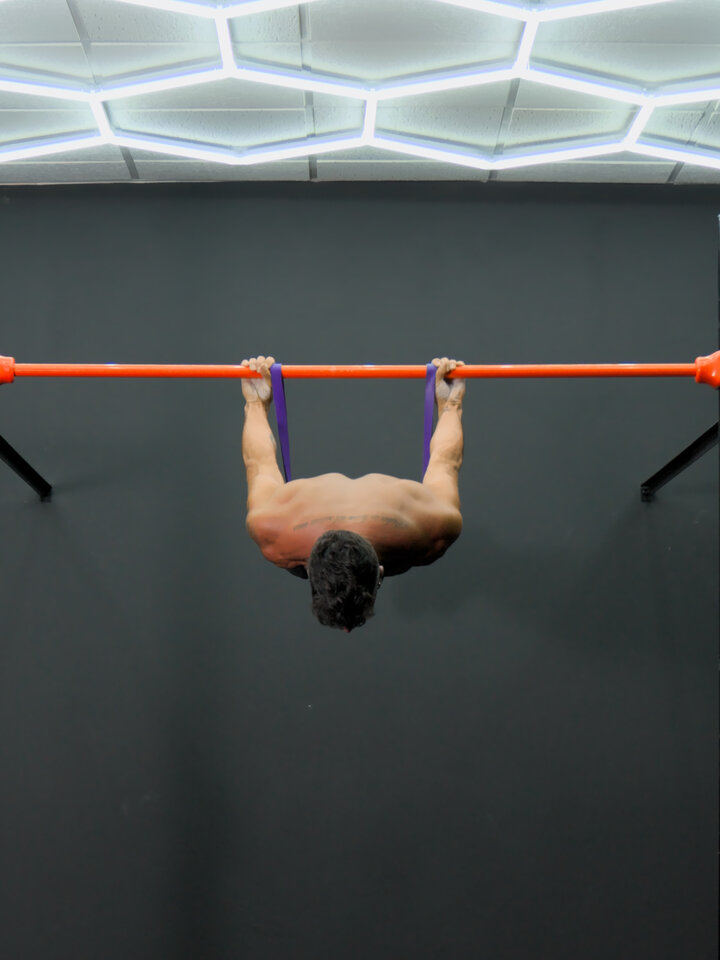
[705, 370]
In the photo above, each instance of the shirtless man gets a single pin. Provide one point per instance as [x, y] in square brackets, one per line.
[345, 535]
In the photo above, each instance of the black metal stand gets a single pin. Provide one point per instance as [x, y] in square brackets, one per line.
[679, 463]
[23, 469]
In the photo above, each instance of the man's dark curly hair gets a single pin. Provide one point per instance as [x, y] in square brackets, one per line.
[343, 570]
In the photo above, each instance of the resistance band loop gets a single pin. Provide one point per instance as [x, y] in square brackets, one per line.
[430, 372]
[278, 386]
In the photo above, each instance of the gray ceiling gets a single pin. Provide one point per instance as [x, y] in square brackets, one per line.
[561, 90]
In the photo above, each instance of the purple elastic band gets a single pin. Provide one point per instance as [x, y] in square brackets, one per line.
[278, 387]
[429, 409]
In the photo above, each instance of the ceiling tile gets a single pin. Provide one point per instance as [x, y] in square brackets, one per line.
[709, 134]
[111, 61]
[640, 64]
[476, 128]
[275, 26]
[112, 22]
[281, 54]
[592, 171]
[338, 117]
[696, 175]
[673, 124]
[403, 21]
[36, 124]
[64, 171]
[387, 59]
[685, 21]
[401, 169]
[66, 60]
[48, 21]
[217, 95]
[227, 128]
[540, 127]
[160, 168]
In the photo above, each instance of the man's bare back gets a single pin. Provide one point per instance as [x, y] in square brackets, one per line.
[405, 522]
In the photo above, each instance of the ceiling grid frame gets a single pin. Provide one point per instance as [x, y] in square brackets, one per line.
[642, 100]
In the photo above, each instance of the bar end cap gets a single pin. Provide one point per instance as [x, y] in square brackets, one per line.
[707, 369]
[7, 369]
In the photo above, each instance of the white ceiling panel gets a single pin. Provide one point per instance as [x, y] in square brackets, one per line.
[692, 176]
[338, 116]
[643, 64]
[276, 26]
[709, 136]
[153, 169]
[672, 124]
[49, 21]
[111, 61]
[542, 127]
[405, 21]
[218, 95]
[56, 59]
[386, 59]
[35, 124]
[107, 21]
[282, 54]
[680, 21]
[587, 171]
[66, 171]
[332, 170]
[477, 128]
[462, 91]
[225, 128]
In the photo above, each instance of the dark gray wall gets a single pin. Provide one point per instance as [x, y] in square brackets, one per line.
[517, 756]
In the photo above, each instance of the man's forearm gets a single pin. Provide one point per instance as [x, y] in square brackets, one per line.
[258, 442]
[447, 440]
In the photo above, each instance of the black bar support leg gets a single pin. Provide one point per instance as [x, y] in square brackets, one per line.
[679, 463]
[23, 469]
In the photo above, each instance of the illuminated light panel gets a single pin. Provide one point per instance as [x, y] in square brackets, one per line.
[34, 89]
[528, 39]
[225, 44]
[638, 125]
[101, 119]
[427, 151]
[646, 101]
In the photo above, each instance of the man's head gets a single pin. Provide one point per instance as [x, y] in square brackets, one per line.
[344, 575]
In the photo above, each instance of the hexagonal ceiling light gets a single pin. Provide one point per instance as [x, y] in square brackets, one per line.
[631, 140]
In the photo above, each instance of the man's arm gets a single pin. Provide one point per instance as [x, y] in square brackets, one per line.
[446, 446]
[264, 478]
